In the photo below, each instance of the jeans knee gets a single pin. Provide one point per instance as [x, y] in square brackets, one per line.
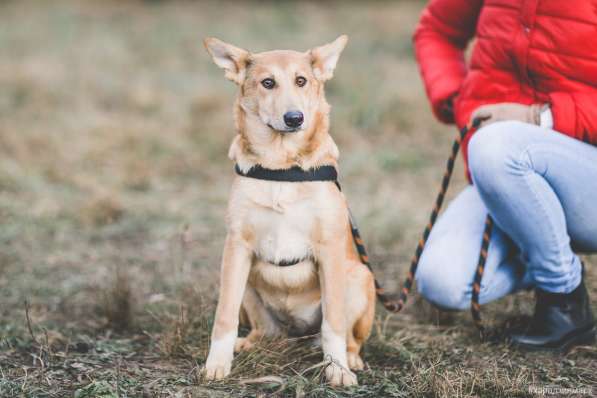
[441, 285]
[493, 150]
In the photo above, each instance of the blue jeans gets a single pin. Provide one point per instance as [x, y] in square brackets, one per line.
[540, 187]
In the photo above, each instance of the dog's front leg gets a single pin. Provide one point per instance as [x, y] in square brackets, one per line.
[332, 278]
[236, 263]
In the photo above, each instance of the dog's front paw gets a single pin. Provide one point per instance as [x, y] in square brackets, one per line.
[215, 371]
[338, 375]
[219, 359]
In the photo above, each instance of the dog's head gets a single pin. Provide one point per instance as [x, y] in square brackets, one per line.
[282, 90]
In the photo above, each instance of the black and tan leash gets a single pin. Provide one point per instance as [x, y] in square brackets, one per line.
[395, 303]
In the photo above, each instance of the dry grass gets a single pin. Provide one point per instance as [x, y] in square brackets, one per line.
[114, 127]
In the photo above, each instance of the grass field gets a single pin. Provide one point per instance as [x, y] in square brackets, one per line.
[114, 128]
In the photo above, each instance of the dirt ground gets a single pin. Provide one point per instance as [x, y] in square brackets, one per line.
[114, 128]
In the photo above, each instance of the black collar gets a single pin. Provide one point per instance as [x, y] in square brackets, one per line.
[293, 174]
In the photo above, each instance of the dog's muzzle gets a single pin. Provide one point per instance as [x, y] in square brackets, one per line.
[285, 131]
[293, 120]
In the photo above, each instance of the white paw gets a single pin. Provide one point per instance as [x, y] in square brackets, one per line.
[338, 375]
[219, 360]
[216, 371]
[354, 361]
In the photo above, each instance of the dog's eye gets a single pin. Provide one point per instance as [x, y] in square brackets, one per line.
[300, 81]
[268, 83]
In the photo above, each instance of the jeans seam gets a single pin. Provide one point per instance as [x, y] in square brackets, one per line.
[537, 197]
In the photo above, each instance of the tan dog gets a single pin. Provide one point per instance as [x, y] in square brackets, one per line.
[282, 120]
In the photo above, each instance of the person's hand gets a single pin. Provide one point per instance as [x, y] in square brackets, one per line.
[446, 109]
[492, 113]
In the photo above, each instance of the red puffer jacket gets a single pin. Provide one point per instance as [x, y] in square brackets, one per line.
[526, 51]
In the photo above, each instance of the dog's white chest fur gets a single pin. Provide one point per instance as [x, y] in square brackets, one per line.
[282, 225]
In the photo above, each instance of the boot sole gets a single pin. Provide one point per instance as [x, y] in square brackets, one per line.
[583, 337]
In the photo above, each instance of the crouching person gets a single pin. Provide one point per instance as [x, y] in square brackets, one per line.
[532, 81]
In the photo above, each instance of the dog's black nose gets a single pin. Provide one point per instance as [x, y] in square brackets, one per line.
[293, 119]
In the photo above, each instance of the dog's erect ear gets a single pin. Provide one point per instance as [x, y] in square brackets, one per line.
[232, 59]
[325, 58]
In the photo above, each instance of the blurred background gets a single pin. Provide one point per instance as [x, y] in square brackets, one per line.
[114, 176]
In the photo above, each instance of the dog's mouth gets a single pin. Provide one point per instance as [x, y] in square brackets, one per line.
[285, 130]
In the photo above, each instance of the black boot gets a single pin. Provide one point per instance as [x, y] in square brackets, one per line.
[560, 322]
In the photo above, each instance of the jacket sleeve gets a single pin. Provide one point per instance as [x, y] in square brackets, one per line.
[575, 114]
[445, 28]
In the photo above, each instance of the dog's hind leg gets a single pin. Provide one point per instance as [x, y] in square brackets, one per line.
[257, 317]
[361, 305]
